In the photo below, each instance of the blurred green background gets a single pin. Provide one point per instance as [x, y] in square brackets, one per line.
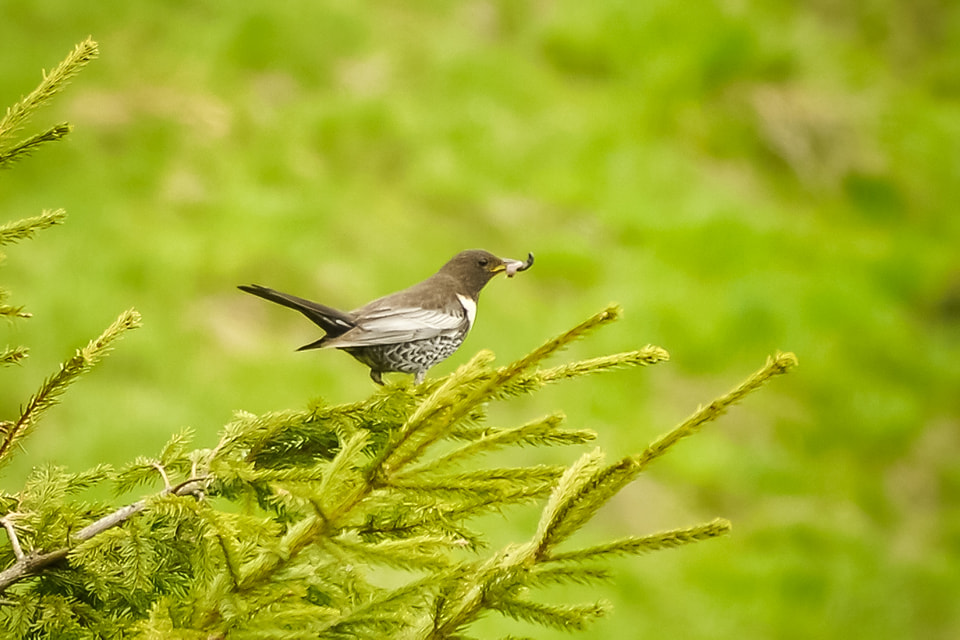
[741, 176]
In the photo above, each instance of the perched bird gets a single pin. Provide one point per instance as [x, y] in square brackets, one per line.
[411, 330]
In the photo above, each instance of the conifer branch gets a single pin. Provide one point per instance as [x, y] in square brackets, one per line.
[416, 513]
[224, 538]
[249, 432]
[17, 230]
[542, 431]
[642, 544]
[342, 470]
[460, 603]
[476, 386]
[545, 575]
[51, 84]
[173, 453]
[504, 379]
[12, 355]
[298, 537]
[31, 563]
[9, 312]
[27, 146]
[55, 385]
[550, 347]
[386, 605]
[327, 492]
[447, 403]
[646, 356]
[495, 585]
[492, 483]
[531, 381]
[139, 472]
[583, 489]
[776, 365]
[433, 416]
[563, 617]
[413, 553]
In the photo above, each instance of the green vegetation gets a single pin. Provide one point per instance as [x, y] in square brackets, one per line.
[739, 177]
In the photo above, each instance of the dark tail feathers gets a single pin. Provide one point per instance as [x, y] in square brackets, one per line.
[333, 321]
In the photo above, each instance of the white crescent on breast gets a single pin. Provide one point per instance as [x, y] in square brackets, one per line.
[470, 306]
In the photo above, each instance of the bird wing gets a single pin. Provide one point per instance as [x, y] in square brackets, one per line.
[389, 325]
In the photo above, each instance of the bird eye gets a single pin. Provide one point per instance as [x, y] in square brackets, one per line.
[483, 262]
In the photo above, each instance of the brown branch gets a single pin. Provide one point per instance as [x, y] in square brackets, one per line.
[30, 564]
[7, 522]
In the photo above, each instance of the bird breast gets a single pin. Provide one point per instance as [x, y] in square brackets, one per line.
[470, 307]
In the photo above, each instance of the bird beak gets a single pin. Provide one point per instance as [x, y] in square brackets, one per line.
[513, 267]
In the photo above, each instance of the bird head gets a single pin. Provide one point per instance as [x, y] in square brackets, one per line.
[475, 268]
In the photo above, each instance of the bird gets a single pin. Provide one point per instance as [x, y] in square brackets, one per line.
[413, 329]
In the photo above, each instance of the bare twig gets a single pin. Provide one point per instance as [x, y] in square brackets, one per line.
[163, 474]
[7, 522]
[30, 564]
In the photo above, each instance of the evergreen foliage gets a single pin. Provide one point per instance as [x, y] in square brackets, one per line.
[18, 115]
[288, 525]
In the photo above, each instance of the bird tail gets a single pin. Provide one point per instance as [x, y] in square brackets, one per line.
[316, 344]
[333, 321]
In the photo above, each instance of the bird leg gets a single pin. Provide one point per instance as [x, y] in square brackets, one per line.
[375, 375]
